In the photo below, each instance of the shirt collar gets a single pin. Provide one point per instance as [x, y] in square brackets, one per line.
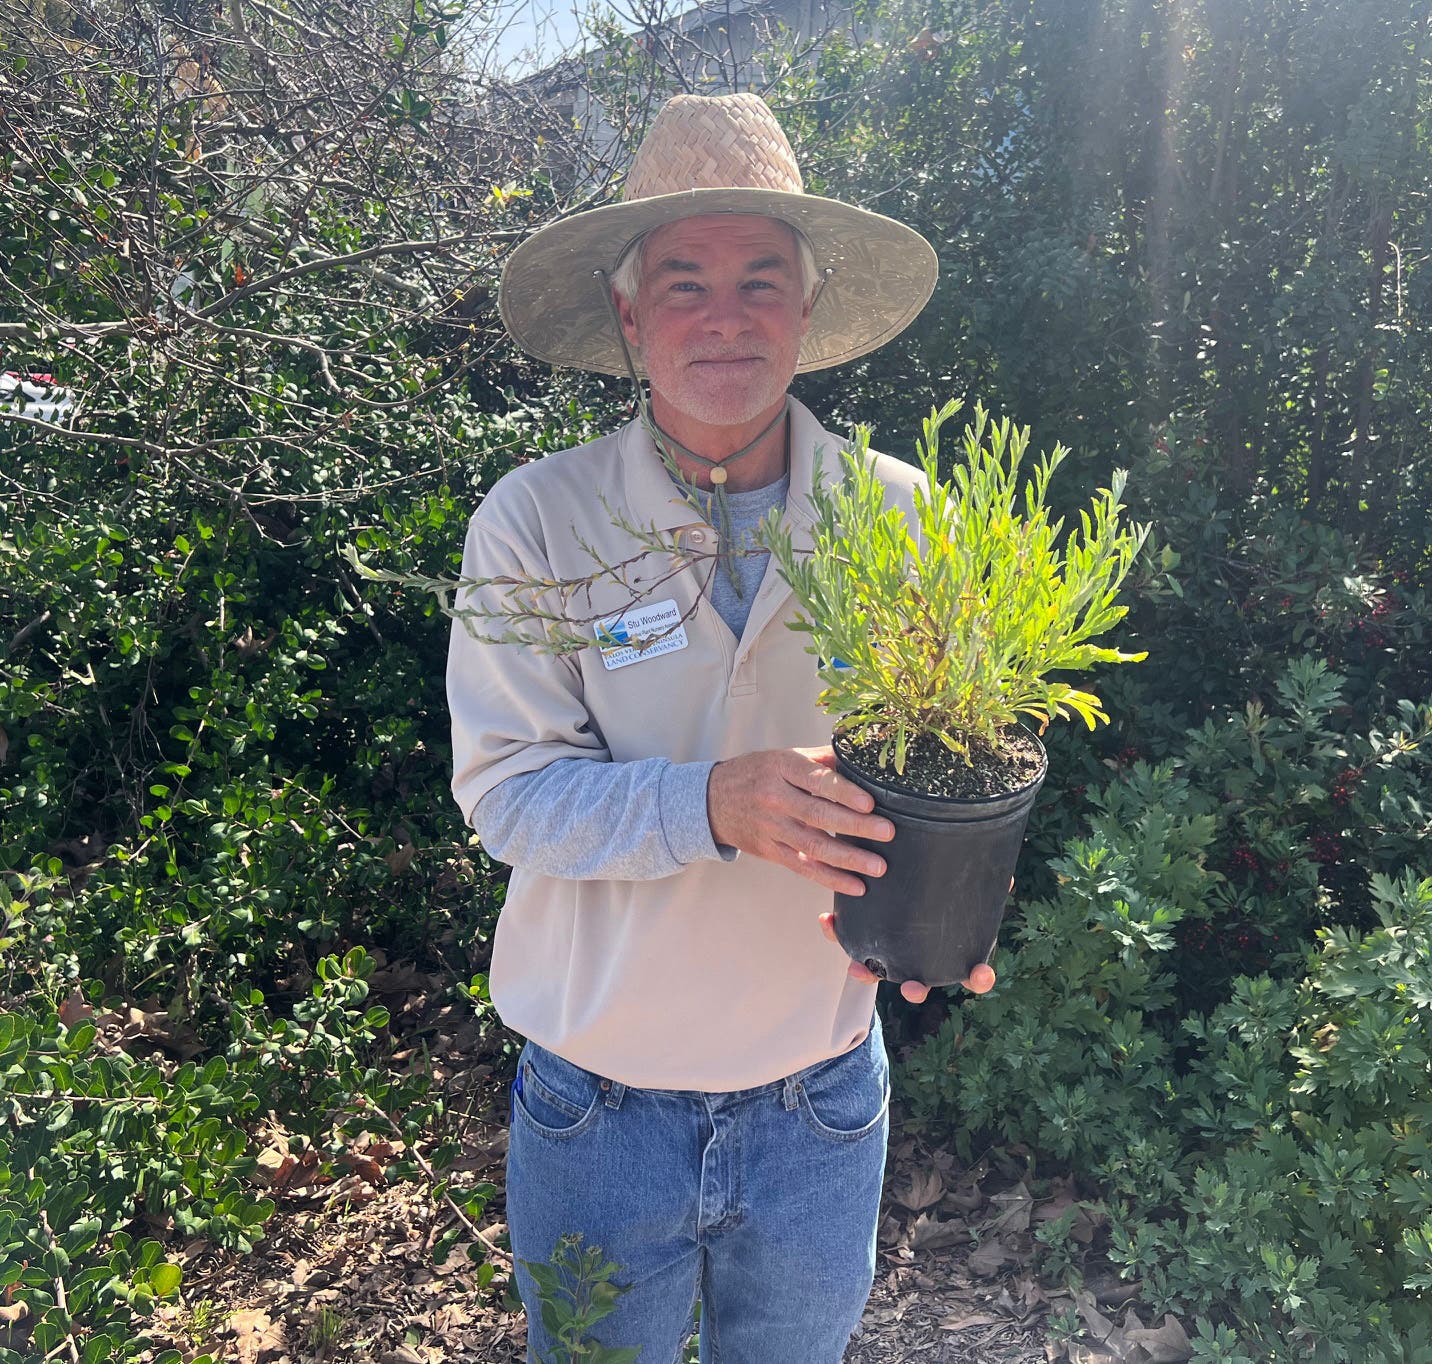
[656, 501]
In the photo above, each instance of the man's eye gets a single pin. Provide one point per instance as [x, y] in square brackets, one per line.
[685, 286]
[761, 284]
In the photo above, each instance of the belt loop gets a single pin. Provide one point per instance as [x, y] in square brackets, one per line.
[616, 1091]
[790, 1086]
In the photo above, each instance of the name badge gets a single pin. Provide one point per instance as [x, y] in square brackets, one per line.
[643, 632]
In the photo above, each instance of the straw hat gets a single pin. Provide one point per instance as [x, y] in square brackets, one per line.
[715, 154]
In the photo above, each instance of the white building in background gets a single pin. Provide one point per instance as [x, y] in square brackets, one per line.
[34, 395]
[713, 48]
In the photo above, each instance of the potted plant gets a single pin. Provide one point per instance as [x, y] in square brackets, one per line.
[936, 641]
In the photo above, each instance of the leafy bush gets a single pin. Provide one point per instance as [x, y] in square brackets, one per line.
[276, 796]
[98, 1142]
[1251, 1112]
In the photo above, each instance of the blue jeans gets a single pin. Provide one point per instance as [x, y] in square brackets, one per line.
[763, 1202]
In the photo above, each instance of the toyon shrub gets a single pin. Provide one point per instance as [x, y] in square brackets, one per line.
[1234, 1065]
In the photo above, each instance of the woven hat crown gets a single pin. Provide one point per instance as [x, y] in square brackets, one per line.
[712, 142]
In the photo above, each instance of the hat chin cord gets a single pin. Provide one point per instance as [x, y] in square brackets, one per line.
[667, 446]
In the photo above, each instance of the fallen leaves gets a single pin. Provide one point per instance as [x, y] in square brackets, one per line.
[1016, 1208]
[1164, 1344]
[257, 1336]
[308, 1172]
[989, 1257]
[75, 1008]
[154, 1025]
[922, 1190]
[965, 1241]
[967, 1320]
[930, 1233]
[1130, 1342]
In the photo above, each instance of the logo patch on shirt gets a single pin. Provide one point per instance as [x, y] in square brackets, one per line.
[638, 634]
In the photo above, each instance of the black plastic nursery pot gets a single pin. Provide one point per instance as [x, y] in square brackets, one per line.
[935, 914]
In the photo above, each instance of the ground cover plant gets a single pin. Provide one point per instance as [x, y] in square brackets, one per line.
[1191, 244]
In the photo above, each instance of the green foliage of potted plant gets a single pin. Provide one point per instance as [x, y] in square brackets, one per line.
[937, 640]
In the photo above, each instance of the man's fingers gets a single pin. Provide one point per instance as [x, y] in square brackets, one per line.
[912, 989]
[820, 779]
[981, 980]
[818, 870]
[816, 845]
[831, 818]
[855, 970]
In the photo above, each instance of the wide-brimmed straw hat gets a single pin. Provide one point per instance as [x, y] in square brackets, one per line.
[715, 154]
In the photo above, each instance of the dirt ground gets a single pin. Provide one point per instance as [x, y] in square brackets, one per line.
[347, 1269]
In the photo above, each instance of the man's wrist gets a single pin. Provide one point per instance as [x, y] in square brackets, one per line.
[685, 815]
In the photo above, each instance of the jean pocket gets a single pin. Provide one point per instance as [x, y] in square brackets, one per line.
[847, 1098]
[555, 1097]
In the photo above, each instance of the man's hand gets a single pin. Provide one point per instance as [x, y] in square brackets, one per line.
[784, 805]
[981, 979]
[787, 805]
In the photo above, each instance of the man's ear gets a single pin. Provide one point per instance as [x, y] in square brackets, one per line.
[627, 314]
[806, 311]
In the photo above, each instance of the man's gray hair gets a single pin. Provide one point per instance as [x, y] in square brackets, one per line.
[626, 278]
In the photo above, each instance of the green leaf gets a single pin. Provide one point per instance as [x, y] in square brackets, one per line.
[165, 1279]
[98, 1347]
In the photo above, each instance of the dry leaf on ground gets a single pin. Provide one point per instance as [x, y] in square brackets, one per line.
[1013, 1210]
[924, 1190]
[927, 1232]
[1081, 1352]
[963, 1321]
[257, 1336]
[965, 1197]
[1096, 1323]
[1165, 1344]
[988, 1257]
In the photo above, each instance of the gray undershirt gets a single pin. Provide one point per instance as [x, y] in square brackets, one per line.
[581, 819]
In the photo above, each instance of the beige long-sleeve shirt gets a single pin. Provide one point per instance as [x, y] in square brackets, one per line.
[717, 977]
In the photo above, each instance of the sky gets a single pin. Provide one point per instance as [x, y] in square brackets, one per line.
[532, 33]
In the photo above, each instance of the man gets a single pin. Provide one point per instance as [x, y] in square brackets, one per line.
[704, 1092]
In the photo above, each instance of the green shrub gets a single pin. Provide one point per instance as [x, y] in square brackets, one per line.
[96, 1140]
[1252, 1113]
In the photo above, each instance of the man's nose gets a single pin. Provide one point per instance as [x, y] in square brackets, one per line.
[726, 312]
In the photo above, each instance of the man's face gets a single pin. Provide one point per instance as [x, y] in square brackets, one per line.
[718, 317]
